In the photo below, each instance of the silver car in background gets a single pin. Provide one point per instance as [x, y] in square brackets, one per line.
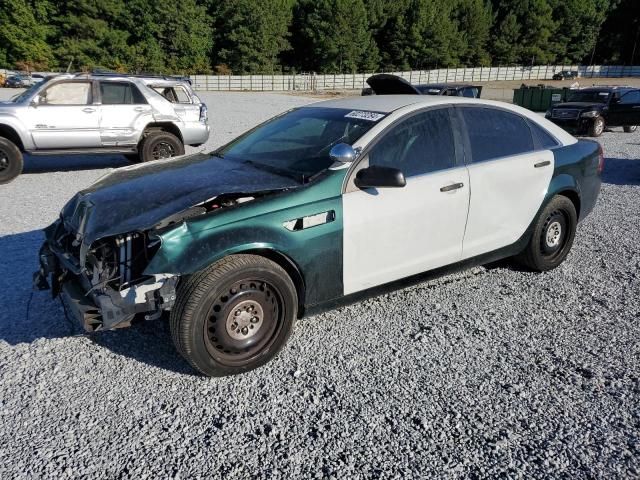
[143, 118]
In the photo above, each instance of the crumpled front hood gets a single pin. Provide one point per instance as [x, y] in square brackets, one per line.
[139, 197]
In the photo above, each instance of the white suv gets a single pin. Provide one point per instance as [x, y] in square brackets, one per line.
[143, 118]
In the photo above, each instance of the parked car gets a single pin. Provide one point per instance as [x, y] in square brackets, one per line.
[317, 207]
[99, 114]
[591, 110]
[565, 75]
[17, 81]
[387, 84]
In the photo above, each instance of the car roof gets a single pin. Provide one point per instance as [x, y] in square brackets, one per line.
[390, 103]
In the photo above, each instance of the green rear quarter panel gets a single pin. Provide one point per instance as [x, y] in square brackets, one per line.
[576, 170]
[257, 227]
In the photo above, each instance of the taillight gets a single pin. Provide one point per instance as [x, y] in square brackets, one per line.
[203, 113]
[600, 159]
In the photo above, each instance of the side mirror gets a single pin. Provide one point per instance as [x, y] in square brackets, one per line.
[380, 177]
[35, 101]
[342, 153]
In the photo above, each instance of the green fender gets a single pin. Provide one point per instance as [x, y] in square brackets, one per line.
[259, 226]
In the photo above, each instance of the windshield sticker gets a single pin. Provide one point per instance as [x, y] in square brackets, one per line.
[362, 115]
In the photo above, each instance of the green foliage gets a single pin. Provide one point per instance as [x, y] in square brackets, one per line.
[24, 32]
[267, 36]
[250, 36]
[333, 36]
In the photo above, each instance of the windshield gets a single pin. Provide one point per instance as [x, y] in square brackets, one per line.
[297, 144]
[591, 96]
[28, 91]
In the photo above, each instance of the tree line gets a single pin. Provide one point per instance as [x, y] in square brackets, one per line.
[325, 36]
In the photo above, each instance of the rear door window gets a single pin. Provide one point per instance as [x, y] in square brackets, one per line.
[544, 138]
[496, 133]
[120, 93]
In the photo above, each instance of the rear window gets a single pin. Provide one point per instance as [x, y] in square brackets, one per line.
[496, 133]
[120, 93]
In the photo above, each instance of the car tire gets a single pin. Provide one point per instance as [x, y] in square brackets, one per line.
[597, 127]
[160, 146]
[552, 237]
[630, 128]
[11, 162]
[234, 316]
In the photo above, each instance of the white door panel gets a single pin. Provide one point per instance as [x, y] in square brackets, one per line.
[392, 233]
[505, 196]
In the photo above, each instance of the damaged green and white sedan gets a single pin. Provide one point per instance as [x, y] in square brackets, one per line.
[320, 206]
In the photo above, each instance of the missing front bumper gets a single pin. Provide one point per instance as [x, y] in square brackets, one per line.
[104, 308]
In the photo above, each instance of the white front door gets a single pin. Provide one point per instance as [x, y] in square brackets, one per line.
[508, 178]
[124, 113]
[392, 233]
[65, 117]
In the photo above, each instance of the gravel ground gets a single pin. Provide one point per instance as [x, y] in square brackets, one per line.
[492, 372]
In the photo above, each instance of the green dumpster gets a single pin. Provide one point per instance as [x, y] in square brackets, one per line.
[538, 97]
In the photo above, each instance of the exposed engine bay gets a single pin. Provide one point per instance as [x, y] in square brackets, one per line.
[104, 283]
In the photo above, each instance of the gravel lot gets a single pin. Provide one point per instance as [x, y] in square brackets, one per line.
[492, 372]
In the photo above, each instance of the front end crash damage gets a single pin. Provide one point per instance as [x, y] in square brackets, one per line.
[102, 283]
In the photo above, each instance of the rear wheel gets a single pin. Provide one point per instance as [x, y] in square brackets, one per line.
[597, 127]
[630, 128]
[11, 162]
[160, 146]
[552, 236]
[234, 316]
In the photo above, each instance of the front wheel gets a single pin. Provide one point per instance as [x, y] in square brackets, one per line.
[160, 146]
[553, 235]
[10, 160]
[630, 128]
[597, 127]
[234, 316]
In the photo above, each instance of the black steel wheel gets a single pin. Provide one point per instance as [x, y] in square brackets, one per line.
[235, 315]
[160, 146]
[553, 234]
[10, 160]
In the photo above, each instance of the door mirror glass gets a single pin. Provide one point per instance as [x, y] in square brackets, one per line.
[342, 153]
[380, 177]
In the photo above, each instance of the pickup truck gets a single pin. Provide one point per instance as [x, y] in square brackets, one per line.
[143, 118]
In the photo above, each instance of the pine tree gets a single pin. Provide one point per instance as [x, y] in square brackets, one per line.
[25, 33]
[251, 36]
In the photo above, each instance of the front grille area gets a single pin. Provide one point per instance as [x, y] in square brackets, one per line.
[565, 113]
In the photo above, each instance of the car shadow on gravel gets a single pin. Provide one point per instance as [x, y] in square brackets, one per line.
[27, 316]
[147, 342]
[67, 163]
[621, 171]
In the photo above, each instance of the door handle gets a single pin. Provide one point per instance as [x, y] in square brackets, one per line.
[88, 110]
[542, 164]
[453, 186]
[140, 109]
